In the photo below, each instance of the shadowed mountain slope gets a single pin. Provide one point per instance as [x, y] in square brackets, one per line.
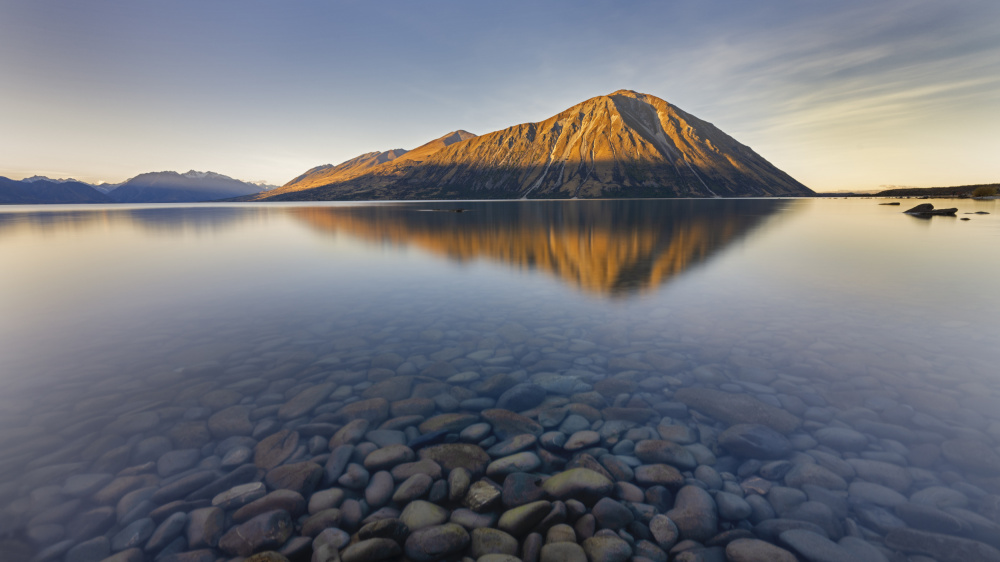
[35, 191]
[624, 144]
[172, 187]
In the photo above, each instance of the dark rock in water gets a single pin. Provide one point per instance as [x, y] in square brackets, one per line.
[973, 455]
[375, 410]
[305, 401]
[135, 535]
[275, 449]
[926, 209]
[928, 518]
[580, 484]
[524, 396]
[507, 424]
[284, 500]
[755, 441]
[814, 547]
[388, 457]
[658, 475]
[563, 552]
[426, 439]
[450, 423]
[492, 541]
[611, 514]
[694, 513]
[944, 548]
[269, 556]
[655, 451]
[371, 550]
[391, 528]
[436, 543]
[422, 466]
[753, 550]
[301, 477]
[204, 527]
[607, 548]
[179, 489]
[519, 521]
[234, 420]
[737, 408]
[241, 475]
[455, 455]
[664, 531]
[265, 531]
[482, 495]
[89, 551]
[771, 529]
[520, 488]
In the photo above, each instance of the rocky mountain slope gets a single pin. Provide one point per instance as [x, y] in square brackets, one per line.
[172, 187]
[625, 144]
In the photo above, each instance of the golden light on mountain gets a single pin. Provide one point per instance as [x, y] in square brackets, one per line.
[624, 144]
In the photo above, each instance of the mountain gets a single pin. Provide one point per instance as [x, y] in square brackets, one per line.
[36, 190]
[172, 187]
[625, 144]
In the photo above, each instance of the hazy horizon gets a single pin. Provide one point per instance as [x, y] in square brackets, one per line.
[845, 96]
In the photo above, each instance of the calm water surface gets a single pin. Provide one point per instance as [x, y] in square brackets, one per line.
[125, 331]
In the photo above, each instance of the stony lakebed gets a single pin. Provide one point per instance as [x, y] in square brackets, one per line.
[717, 381]
[524, 445]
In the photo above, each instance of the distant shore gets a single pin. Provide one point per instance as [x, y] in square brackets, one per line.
[955, 192]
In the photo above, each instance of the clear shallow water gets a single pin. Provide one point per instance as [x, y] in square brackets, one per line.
[842, 312]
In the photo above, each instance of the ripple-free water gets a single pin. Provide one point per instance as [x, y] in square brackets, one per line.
[124, 331]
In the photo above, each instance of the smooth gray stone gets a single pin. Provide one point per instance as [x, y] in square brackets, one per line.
[814, 547]
[94, 550]
[380, 488]
[519, 521]
[611, 514]
[491, 541]
[664, 531]
[861, 551]
[420, 514]
[171, 528]
[173, 462]
[436, 542]
[755, 441]
[238, 496]
[860, 491]
[607, 548]
[414, 487]
[694, 513]
[842, 439]
[134, 535]
[732, 507]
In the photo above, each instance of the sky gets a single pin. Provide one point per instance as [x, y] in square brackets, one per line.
[841, 95]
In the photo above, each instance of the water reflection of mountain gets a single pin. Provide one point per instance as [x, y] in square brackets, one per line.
[604, 247]
[159, 220]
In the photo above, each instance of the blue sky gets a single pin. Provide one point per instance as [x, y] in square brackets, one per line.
[842, 95]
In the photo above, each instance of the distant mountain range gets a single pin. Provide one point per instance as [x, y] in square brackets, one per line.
[38, 190]
[625, 144]
[153, 187]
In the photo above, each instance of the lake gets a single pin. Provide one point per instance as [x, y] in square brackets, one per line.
[641, 378]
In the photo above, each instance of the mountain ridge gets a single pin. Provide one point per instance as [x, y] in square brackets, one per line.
[624, 144]
[175, 187]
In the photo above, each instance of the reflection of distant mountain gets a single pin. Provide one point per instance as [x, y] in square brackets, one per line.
[165, 220]
[605, 247]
